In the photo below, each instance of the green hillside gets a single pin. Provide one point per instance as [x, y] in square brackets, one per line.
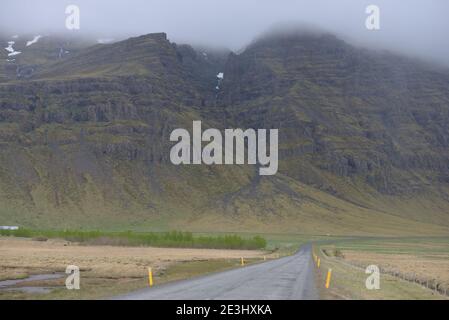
[363, 138]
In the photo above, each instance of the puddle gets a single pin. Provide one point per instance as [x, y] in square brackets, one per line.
[30, 289]
[8, 285]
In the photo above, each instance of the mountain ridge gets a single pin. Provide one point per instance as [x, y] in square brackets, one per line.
[89, 136]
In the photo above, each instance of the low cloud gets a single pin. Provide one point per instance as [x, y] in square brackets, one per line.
[413, 27]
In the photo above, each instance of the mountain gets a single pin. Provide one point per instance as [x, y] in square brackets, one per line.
[363, 138]
[24, 54]
[370, 122]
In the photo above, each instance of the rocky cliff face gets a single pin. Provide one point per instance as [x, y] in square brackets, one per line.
[346, 111]
[85, 139]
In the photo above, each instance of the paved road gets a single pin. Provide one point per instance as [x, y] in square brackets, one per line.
[282, 279]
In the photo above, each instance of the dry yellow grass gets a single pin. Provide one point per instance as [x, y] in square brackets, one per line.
[411, 268]
[21, 257]
[425, 267]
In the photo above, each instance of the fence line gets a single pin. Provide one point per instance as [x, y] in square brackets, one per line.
[441, 288]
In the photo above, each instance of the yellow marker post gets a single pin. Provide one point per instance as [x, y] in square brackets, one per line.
[150, 277]
[242, 261]
[328, 278]
[318, 263]
[264, 258]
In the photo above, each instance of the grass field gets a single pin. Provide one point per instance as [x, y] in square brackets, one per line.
[411, 268]
[105, 270]
[108, 270]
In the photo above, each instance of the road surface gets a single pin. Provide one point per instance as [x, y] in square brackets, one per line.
[289, 278]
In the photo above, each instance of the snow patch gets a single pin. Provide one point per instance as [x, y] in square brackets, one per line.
[220, 77]
[104, 41]
[36, 39]
[15, 53]
[11, 50]
[62, 52]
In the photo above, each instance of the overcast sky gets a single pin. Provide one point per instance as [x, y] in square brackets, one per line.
[416, 27]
